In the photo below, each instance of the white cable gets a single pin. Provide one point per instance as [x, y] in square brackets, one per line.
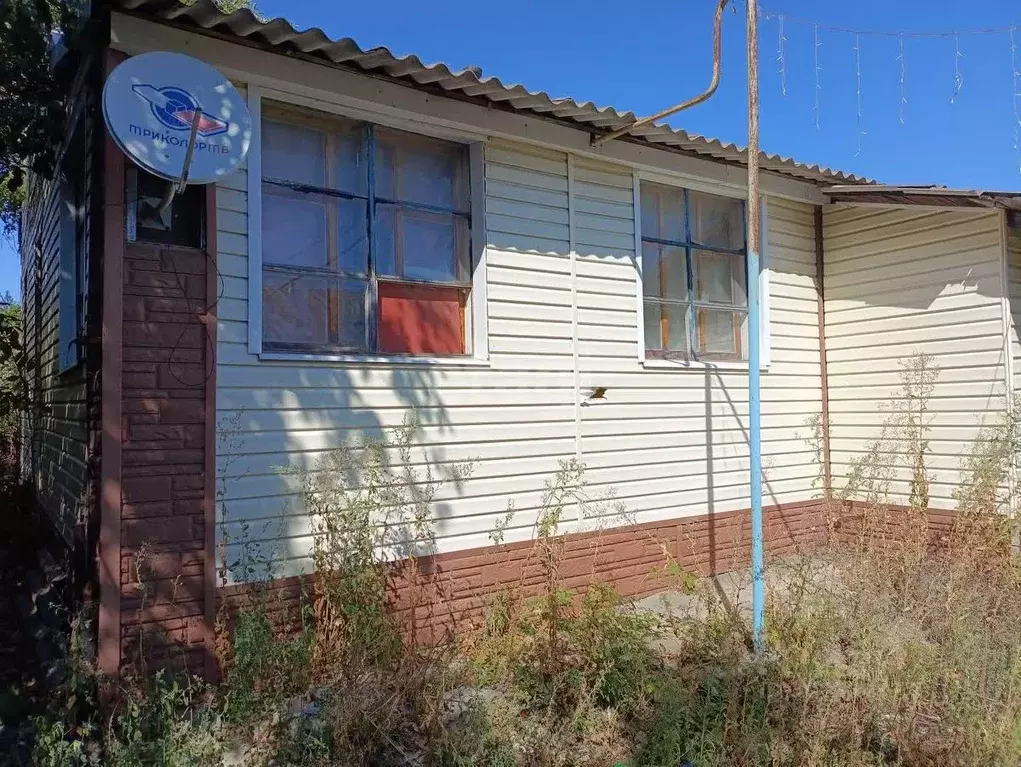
[818, 69]
[857, 70]
[903, 88]
[958, 78]
[780, 58]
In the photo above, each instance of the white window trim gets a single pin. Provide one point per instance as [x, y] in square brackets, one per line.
[476, 321]
[656, 363]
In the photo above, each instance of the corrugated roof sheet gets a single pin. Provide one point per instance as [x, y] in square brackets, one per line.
[280, 35]
[940, 196]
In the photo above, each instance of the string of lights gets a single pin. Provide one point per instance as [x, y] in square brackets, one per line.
[856, 35]
[769, 15]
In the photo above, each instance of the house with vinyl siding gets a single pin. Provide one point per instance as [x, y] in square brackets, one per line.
[407, 238]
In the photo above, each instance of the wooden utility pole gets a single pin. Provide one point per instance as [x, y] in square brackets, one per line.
[754, 211]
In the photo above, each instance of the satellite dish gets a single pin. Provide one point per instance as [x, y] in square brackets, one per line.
[177, 117]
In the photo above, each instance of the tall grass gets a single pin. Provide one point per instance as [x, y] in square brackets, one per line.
[896, 643]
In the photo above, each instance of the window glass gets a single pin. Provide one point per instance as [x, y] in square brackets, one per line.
[294, 227]
[720, 278]
[721, 333]
[666, 327]
[311, 310]
[420, 245]
[664, 273]
[295, 308]
[293, 153]
[418, 170]
[717, 221]
[662, 212]
[687, 238]
[319, 257]
[151, 219]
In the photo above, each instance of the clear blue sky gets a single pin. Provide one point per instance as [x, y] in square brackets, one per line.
[646, 56]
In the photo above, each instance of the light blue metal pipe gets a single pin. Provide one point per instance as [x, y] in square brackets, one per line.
[755, 451]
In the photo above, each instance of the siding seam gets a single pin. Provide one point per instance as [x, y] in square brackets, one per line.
[823, 372]
[572, 238]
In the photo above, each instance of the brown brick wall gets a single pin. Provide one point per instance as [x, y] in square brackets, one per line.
[166, 356]
[456, 586]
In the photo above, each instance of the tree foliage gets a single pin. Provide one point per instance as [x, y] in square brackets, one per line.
[32, 94]
[12, 380]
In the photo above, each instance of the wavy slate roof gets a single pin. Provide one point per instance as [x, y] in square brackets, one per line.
[278, 35]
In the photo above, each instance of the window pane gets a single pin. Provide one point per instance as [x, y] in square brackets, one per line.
[722, 334]
[419, 245]
[181, 223]
[303, 229]
[294, 227]
[666, 327]
[299, 309]
[717, 221]
[350, 172]
[664, 272]
[421, 170]
[293, 153]
[662, 212]
[653, 331]
[720, 278]
[295, 309]
[331, 157]
[351, 297]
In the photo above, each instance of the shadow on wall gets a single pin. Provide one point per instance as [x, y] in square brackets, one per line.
[271, 434]
[904, 282]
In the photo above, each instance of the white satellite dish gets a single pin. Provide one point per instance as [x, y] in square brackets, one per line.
[177, 117]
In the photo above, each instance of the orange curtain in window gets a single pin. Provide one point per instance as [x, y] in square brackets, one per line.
[421, 319]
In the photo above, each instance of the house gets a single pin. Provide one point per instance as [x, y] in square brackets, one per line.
[532, 297]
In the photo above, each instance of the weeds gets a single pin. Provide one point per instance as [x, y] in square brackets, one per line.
[896, 645]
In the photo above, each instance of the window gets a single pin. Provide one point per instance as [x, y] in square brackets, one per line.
[366, 238]
[694, 274]
[152, 217]
[73, 250]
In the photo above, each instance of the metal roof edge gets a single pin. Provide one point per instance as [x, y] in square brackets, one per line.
[279, 34]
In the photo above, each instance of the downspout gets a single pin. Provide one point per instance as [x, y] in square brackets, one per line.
[713, 85]
[754, 353]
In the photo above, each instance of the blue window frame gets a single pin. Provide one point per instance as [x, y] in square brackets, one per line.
[694, 274]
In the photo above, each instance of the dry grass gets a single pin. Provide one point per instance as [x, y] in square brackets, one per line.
[898, 645]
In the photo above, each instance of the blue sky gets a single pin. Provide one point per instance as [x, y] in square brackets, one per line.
[958, 120]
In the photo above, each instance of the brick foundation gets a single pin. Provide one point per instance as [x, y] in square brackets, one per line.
[166, 489]
[455, 587]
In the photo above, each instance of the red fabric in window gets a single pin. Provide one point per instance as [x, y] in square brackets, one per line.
[420, 319]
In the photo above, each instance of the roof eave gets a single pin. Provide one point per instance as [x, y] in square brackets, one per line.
[279, 36]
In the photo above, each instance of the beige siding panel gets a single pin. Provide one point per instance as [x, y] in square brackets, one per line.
[514, 418]
[901, 283]
[649, 443]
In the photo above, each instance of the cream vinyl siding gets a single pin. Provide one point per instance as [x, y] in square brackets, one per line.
[522, 413]
[901, 282]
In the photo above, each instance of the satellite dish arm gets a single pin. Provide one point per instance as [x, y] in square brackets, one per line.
[178, 187]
